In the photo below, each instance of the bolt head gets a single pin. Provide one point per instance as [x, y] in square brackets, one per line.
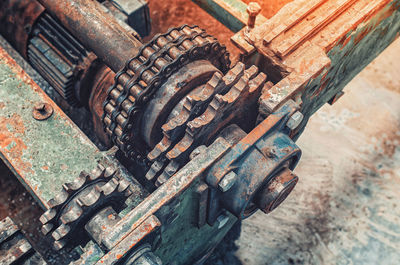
[253, 9]
[227, 181]
[295, 120]
[222, 220]
[42, 111]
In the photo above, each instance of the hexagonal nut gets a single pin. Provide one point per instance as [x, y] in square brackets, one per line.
[227, 181]
[295, 120]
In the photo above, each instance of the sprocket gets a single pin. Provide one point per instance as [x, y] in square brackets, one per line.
[80, 200]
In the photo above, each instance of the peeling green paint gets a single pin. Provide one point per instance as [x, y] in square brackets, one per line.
[42, 154]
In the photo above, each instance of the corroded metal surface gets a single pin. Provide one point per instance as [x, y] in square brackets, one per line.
[320, 46]
[345, 209]
[17, 18]
[115, 45]
[14, 247]
[43, 154]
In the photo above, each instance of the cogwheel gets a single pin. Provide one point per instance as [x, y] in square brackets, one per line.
[224, 109]
[193, 106]
[80, 200]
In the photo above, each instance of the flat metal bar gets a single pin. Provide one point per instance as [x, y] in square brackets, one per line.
[42, 154]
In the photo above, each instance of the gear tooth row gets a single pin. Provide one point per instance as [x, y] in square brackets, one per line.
[63, 218]
[218, 84]
[200, 128]
[156, 61]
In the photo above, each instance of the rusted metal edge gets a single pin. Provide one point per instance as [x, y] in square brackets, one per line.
[144, 229]
[42, 154]
[176, 185]
[357, 35]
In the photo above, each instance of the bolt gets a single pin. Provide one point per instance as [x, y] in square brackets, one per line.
[143, 256]
[42, 111]
[227, 181]
[277, 190]
[222, 220]
[295, 120]
[253, 9]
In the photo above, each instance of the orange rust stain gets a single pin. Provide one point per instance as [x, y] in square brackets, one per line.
[45, 167]
[11, 145]
[119, 256]
[2, 105]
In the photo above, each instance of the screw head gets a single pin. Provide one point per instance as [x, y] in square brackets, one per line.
[227, 181]
[295, 120]
[42, 111]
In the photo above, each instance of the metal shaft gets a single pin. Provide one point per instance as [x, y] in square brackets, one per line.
[97, 29]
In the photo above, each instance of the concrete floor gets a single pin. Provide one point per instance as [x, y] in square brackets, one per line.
[345, 208]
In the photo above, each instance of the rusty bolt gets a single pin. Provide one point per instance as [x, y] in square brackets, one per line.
[277, 190]
[42, 111]
[295, 120]
[227, 181]
[253, 9]
[143, 256]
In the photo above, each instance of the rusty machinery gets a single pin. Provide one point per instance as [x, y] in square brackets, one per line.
[195, 142]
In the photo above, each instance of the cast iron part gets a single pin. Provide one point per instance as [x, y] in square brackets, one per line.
[276, 191]
[222, 101]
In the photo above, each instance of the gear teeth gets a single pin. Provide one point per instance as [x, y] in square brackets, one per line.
[73, 213]
[184, 44]
[81, 199]
[154, 170]
[169, 171]
[193, 106]
[47, 216]
[60, 232]
[47, 228]
[223, 109]
[124, 187]
[58, 245]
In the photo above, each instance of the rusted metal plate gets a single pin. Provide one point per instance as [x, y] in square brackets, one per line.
[42, 154]
[129, 242]
[322, 46]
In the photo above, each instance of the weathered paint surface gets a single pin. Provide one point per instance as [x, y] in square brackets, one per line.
[323, 50]
[350, 55]
[42, 154]
[345, 208]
